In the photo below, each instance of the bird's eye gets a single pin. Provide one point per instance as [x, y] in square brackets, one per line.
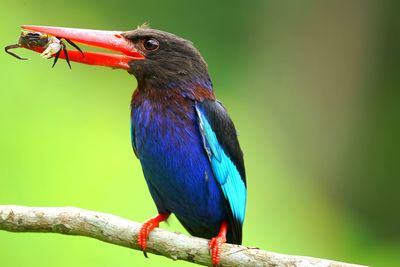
[151, 44]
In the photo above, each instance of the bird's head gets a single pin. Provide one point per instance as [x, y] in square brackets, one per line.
[168, 59]
[157, 59]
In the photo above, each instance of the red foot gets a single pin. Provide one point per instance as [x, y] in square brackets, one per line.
[216, 243]
[147, 227]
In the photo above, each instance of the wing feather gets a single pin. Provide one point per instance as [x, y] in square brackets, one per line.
[226, 158]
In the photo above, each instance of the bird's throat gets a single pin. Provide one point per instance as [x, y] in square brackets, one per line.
[197, 91]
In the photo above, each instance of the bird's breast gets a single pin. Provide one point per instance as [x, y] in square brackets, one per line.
[169, 123]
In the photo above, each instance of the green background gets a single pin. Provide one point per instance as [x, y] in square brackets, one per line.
[312, 86]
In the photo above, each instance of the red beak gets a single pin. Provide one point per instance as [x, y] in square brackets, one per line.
[111, 40]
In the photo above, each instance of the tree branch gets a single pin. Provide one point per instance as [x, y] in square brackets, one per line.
[122, 232]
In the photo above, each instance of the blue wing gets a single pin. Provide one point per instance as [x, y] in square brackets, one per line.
[226, 158]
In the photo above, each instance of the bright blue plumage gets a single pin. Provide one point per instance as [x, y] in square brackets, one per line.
[187, 170]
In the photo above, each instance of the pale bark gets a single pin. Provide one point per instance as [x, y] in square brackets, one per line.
[122, 232]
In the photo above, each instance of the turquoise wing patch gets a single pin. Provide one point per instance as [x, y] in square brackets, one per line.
[225, 171]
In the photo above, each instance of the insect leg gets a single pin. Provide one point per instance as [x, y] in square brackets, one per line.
[56, 58]
[64, 48]
[76, 46]
[8, 47]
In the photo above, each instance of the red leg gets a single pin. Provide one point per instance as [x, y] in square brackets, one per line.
[147, 227]
[216, 243]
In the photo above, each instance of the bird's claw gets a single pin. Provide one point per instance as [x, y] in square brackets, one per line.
[215, 248]
[144, 232]
[146, 228]
[215, 244]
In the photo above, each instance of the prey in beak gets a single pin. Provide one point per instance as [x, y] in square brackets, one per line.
[109, 40]
[50, 45]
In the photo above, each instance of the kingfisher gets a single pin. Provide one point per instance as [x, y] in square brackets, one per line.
[183, 136]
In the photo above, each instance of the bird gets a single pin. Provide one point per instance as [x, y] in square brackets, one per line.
[182, 135]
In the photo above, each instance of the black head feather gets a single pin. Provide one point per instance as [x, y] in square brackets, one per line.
[170, 61]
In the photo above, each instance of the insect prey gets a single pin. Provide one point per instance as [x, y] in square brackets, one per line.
[53, 45]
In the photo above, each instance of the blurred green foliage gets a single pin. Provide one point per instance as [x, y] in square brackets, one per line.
[311, 85]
